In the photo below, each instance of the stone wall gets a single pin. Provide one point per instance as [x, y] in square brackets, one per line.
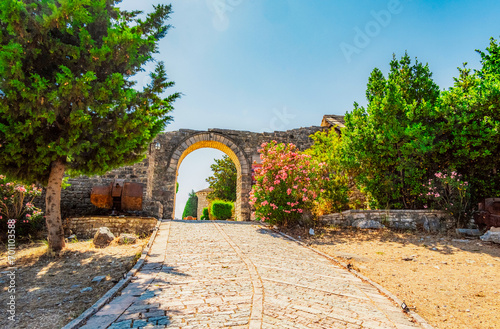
[422, 220]
[85, 227]
[75, 199]
[202, 202]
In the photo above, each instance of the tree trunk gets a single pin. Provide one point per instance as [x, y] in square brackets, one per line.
[53, 206]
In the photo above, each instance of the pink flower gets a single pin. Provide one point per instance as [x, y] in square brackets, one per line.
[289, 191]
[28, 215]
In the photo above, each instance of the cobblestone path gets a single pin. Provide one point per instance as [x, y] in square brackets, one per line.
[240, 275]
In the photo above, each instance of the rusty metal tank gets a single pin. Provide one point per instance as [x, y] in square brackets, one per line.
[118, 195]
[488, 214]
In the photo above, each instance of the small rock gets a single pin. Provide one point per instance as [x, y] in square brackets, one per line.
[99, 278]
[434, 249]
[127, 238]
[103, 237]
[86, 289]
[461, 240]
[72, 237]
[466, 231]
[75, 286]
[311, 231]
[493, 235]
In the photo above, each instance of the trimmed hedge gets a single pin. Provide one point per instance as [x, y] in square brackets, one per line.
[204, 215]
[221, 210]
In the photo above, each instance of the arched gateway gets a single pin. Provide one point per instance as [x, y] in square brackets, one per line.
[168, 160]
[158, 172]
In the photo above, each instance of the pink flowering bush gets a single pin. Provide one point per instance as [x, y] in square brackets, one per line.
[287, 184]
[16, 202]
[448, 191]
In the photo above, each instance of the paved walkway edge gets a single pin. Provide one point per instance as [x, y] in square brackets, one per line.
[78, 322]
[418, 319]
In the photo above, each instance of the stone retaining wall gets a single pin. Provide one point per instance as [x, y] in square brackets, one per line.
[422, 220]
[85, 227]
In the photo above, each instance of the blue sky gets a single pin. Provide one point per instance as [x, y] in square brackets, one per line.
[264, 65]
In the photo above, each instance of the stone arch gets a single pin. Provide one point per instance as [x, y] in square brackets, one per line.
[231, 149]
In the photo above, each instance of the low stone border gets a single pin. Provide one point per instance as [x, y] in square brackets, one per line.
[78, 322]
[418, 319]
[422, 220]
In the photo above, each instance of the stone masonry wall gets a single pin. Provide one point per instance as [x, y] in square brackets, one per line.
[75, 199]
[85, 227]
[202, 203]
[423, 220]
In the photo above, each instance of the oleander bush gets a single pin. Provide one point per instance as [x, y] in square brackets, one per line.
[16, 203]
[287, 184]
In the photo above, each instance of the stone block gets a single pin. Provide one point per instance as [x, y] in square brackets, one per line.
[103, 237]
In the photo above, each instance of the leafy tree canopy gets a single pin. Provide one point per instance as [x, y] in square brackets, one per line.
[223, 180]
[68, 100]
[470, 132]
[386, 144]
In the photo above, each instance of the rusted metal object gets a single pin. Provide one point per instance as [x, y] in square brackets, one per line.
[132, 197]
[118, 195]
[101, 198]
[488, 214]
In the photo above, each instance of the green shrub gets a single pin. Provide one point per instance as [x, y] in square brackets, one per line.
[204, 215]
[221, 210]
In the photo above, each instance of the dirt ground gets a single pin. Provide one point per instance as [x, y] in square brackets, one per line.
[453, 282]
[48, 288]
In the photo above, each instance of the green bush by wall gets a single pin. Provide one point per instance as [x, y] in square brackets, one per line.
[204, 214]
[221, 210]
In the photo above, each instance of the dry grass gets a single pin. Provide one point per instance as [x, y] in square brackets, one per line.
[48, 286]
[452, 284]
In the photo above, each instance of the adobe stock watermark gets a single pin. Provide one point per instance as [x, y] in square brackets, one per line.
[10, 303]
[221, 9]
[280, 119]
[364, 36]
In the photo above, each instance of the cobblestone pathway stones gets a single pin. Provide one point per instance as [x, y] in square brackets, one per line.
[203, 274]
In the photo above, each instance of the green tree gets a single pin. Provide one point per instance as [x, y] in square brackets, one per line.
[223, 181]
[470, 129]
[327, 148]
[191, 207]
[68, 101]
[388, 144]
